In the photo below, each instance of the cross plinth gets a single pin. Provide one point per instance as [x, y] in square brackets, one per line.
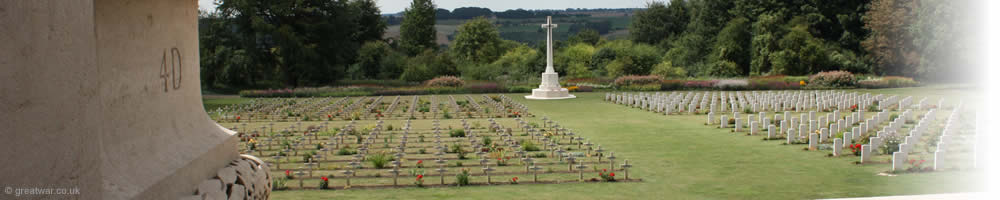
[549, 89]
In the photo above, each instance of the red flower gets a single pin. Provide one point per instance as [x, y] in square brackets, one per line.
[612, 174]
[325, 179]
[600, 174]
[420, 162]
[420, 177]
[605, 169]
[288, 173]
[237, 117]
[328, 116]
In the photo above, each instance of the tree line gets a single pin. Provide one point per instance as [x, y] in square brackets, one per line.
[728, 38]
[267, 44]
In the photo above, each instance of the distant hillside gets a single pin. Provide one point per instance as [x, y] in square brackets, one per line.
[612, 24]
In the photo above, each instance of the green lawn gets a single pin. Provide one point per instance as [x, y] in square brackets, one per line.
[680, 158]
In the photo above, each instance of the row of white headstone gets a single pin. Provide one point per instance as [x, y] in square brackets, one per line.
[956, 142]
[755, 101]
[810, 126]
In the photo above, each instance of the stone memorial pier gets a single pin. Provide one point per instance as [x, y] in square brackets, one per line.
[104, 96]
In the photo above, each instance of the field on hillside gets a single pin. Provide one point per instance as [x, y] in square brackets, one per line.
[678, 157]
[529, 30]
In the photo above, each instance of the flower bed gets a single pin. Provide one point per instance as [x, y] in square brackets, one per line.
[637, 80]
[832, 79]
[446, 81]
[887, 82]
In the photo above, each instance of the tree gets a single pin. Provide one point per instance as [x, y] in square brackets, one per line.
[688, 51]
[370, 58]
[477, 41]
[658, 22]
[519, 63]
[731, 54]
[470, 13]
[575, 60]
[442, 14]
[588, 36]
[801, 53]
[666, 70]
[392, 65]
[417, 31]
[888, 44]
[308, 42]
[631, 58]
[767, 30]
[940, 36]
[372, 26]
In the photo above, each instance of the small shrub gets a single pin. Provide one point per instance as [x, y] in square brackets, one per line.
[324, 183]
[379, 160]
[279, 183]
[832, 79]
[891, 144]
[487, 141]
[607, 177]
[529, 146]
[455, 148]
[446, 81]
[462, 178]
[899, 81]
[420, 180]
[457, 133]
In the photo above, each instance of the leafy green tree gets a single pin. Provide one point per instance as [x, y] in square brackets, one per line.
[370, 58]
[767, 31]
[477, 41]
[417, 32]
[588, 36]
[392, 65]
[731, 54]
[666, 70]
[631, 58]
[372, 26]
[940, 32]
[801, 53]
[518, 64]
[575, 60]
[888, 43]
[426, 66]
[658, 22]
[308, 42]
[689, 51]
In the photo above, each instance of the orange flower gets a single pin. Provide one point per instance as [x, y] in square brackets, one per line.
[802, 83]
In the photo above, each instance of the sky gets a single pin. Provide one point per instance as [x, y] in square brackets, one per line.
[395, 6]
